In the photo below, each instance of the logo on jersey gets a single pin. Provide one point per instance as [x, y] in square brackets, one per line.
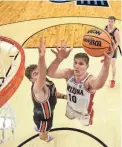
[72, 80]
[80, 86]
[74, 90]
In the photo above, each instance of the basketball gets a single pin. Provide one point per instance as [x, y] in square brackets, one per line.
[96, 41]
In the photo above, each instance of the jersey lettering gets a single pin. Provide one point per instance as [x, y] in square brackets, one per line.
[74, 90]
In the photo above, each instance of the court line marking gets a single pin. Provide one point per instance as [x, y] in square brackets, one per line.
[67, 129]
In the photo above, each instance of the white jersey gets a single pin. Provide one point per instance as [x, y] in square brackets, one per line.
[79, 99]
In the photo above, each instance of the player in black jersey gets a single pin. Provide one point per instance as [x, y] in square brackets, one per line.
[44, 95]
[114, 32]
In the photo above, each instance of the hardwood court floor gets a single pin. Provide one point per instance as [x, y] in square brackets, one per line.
[107, 101]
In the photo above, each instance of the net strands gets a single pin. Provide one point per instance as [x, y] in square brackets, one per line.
[7, 73]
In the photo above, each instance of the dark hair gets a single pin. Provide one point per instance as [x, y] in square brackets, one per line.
[29, 70]
[84, 56]
[112, 18]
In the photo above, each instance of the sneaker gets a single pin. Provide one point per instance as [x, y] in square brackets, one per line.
[36, 129]
[112, 84]
[50, 138]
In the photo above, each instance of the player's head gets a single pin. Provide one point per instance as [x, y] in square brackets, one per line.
[81, 63]
[111, 21]
[31, 72]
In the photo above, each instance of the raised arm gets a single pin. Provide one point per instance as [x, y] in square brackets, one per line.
[39, 84]
[99, 81]
[61, 54]
[54, 72]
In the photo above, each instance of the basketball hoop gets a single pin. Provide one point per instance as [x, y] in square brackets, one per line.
[14, 73]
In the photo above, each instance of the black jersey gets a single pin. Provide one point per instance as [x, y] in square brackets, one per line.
[111, 33]
[113, 37]
[45, 109]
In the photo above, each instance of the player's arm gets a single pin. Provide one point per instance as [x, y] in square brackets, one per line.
[117, 37]
[99, 81]
[61, 96]
[61, 54]
[39, 84]
[54, 72]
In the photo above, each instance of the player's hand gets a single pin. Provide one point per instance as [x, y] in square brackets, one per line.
[108, 56]
[62, 51]
[42, 47]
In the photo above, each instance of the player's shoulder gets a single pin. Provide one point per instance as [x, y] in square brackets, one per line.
[116, 30]
[49, 82]
[89, 78]
[37, 89]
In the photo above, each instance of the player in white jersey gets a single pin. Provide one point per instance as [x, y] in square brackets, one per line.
[80, 85]
[79, 100]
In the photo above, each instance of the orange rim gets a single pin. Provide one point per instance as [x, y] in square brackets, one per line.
[12, 86]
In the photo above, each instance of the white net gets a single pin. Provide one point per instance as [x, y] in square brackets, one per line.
[7, 123]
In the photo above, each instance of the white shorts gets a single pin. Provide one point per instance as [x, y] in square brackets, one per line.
[84, 119]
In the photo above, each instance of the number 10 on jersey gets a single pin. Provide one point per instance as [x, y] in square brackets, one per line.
[72, 98]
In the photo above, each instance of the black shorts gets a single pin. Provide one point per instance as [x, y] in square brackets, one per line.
[115, 54]
[43, 125]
